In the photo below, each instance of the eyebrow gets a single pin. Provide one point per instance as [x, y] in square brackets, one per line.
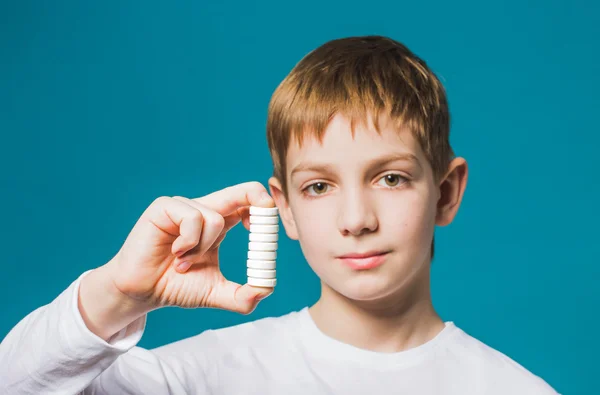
[327, 168]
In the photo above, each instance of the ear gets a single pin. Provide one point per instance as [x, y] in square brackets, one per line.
[452, 188]
[282, 204]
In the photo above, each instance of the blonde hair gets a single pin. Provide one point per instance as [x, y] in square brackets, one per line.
[359, 77]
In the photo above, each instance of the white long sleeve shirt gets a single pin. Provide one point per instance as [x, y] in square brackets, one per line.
[51, 351]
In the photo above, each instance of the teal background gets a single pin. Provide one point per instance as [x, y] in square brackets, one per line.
[104, 107]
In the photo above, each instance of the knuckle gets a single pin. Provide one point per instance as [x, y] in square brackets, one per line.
[196, 216]
[219, 221]
[215, 221]
[160, 201]
[227, 200]
[256, 186]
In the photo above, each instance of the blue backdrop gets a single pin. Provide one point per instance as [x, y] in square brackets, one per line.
[104, 107]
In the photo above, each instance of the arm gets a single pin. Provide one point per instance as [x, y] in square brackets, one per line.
[52, 351]
[84, 341]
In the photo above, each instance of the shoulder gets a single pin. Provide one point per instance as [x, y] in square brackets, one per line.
[497, 372]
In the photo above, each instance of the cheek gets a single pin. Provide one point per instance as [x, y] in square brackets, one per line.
[308, 220]
[315, 227]
[412, 217]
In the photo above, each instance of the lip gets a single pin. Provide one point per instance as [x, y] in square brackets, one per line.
[364, 261]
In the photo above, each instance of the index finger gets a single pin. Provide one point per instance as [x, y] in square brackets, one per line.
[228, 200]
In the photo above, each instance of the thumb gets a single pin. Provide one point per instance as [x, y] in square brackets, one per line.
[239, 298]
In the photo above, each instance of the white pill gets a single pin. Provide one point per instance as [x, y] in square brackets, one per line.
[274, 220]
[258, 246]
[254, 228]
[264, 237]
[262, 282]
[262, 255]
[261, 273]
[254, 210]
[255, 264]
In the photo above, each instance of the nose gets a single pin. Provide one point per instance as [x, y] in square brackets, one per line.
[357, 214]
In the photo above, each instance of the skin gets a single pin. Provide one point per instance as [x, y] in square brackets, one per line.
[354, 203]
[171, 258]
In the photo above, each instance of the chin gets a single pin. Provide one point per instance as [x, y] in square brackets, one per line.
[365, 287]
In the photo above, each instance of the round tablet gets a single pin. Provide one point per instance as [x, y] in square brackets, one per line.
[264, 237]
[264, 228]
[270, 220]
[259, 246]
[261, 273]
[262, 282]
[255, 264]
[254, 210]
[262, 255]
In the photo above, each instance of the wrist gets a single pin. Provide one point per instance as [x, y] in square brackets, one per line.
[104, 308]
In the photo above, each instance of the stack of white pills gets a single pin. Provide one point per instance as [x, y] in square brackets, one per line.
[262, 248]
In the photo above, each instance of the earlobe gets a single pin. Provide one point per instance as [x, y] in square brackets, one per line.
[282, 204]
[452, 189]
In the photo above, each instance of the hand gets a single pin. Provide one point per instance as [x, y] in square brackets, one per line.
[171, 257]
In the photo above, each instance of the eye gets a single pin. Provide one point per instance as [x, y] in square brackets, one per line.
[319, 188]
[393, 180]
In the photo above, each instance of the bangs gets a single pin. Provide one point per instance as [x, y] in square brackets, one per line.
[361, 80]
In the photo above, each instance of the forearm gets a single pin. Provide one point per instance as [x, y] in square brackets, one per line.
[51, 350]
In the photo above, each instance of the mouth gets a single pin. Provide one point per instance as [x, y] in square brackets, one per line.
[365, 260]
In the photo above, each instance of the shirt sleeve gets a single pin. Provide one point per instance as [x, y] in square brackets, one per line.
[51, 351]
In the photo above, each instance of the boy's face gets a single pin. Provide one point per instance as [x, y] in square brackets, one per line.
[371, 194]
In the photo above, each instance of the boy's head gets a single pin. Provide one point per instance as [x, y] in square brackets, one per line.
[359, 137]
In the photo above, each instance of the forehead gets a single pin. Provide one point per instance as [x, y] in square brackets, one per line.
[339, 143]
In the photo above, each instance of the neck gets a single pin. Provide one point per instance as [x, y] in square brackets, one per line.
[400, 321]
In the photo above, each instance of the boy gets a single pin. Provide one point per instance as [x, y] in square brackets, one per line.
[363, 171]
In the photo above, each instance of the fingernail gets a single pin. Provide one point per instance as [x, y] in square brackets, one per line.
[183, 266]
